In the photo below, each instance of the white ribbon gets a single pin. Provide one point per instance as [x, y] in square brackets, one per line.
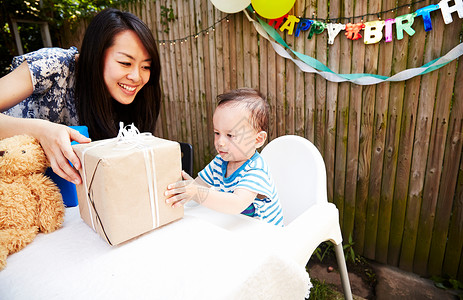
[129, 137]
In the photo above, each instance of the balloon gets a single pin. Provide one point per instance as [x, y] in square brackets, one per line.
[373, 32]
[352, 31]
[404, 22]
[271, 9]
[289, 24]
[231, 6]
[447, 11]
[425, 13]
[333, 31]
[388, 31]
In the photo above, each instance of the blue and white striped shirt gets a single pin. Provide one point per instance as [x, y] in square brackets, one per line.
[254, 176]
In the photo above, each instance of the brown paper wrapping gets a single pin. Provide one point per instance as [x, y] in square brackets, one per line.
[119, 206]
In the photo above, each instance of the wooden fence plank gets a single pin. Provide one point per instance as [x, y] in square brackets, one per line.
[455, 232]
[209, 64]
[175, 81]
[161, 124]
[299, 78]
[191, 93]
[369, 221]
[272, 90]
[224, 26]
[199, 26]
[290, 92]
[309, 80]
[195, 104]
[220, 51]
[427, 197]
[182, 79]
[233, 52]
[179, 32]
[442, 197]
[415, 59]
[239, 36]
[320, 82]
[165, 75]
[254, 56]
[342, 127]
[355, 112]
[396, 99]
[433, 172]
[280, 95]
[331, 103]
[379, 145]
[420, 150]
[247, 71]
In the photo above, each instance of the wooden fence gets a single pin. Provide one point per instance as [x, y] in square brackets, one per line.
[392, 150]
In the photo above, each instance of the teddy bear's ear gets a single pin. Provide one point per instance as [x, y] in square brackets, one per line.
[22, 153]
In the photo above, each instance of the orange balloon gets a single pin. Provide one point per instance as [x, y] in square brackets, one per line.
[272, 9]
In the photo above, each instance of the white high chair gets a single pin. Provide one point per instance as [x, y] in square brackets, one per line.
[299, 173]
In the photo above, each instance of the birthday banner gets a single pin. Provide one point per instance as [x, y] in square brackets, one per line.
[373, 31]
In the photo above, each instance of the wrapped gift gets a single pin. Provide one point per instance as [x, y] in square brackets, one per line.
[123, 184]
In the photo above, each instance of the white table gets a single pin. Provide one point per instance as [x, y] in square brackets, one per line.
[205, 255]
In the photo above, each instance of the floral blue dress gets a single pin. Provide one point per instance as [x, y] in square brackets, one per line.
[53, 76]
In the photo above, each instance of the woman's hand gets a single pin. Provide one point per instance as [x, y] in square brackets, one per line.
[180, 192]
[56, 142]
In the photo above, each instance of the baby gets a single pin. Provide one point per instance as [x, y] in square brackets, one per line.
[237, 180]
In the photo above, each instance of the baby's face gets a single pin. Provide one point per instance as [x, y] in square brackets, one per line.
[234, 137]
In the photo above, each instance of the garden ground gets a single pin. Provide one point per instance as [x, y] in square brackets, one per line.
[371, 280]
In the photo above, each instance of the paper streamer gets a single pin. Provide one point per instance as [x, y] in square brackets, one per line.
[311, 65]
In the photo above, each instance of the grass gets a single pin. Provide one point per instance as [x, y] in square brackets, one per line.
[321, 290]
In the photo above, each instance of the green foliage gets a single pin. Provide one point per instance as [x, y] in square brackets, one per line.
[349, 249]
[321, 290]
[322, 253]
[449, 283]
[167, 15]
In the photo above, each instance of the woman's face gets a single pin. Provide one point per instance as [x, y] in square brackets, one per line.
[126, 67]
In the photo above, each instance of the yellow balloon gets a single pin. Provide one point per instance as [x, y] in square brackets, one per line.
[272, 9]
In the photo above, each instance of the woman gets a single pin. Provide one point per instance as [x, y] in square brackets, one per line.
[114, 78]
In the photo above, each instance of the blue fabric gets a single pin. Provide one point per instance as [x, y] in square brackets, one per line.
[254, 176]
[67, 189]
[53, 76]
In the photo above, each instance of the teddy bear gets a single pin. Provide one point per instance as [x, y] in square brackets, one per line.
[30, 202]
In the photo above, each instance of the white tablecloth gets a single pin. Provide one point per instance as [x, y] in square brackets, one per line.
[205, 255]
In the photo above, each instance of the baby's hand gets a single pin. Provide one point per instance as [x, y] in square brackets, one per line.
[180, 192]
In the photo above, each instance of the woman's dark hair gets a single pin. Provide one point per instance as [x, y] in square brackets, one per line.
[95, 106]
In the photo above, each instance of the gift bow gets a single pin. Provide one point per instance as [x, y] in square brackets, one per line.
[130, 136]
